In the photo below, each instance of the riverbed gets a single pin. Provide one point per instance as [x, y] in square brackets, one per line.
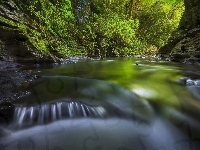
[110, 104]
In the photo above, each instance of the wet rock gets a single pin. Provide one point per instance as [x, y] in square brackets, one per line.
[192, 60]
[189, 82]
[6, 112]
[6, 65]
[178, 57]
[197, 82]
[13, 80]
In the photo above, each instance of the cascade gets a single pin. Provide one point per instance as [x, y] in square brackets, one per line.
[50, 112]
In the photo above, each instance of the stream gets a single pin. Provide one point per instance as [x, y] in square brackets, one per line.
[111, 104]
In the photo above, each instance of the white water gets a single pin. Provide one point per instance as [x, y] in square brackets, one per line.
[84, 112]
[50, 112]
[103, 134]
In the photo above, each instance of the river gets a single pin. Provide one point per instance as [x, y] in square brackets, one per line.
[111, 104]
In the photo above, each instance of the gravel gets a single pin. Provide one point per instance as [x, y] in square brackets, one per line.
[13, 80]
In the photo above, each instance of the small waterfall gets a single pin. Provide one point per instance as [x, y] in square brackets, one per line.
[49, 112]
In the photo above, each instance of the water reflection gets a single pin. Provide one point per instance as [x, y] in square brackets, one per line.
[109, 104]
[113, 98]
[111, 134]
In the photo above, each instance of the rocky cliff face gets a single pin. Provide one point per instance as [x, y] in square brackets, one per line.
[186, 46]
[191, 16]
[14, 45]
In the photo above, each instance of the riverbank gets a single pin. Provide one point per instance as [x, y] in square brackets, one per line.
[13, 78]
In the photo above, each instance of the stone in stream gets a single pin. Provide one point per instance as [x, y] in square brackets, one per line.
[6, 112]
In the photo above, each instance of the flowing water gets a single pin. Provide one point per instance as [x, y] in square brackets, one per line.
[113, 104]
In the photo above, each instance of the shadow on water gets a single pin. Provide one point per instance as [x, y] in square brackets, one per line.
[109, 104]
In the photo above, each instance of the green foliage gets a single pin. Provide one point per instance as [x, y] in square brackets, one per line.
[51, 25]
[159, 21]
[118, 32]
[48, 25]
[131, 27]
[110, 27]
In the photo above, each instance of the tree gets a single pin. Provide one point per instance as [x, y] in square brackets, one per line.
[97, 27]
